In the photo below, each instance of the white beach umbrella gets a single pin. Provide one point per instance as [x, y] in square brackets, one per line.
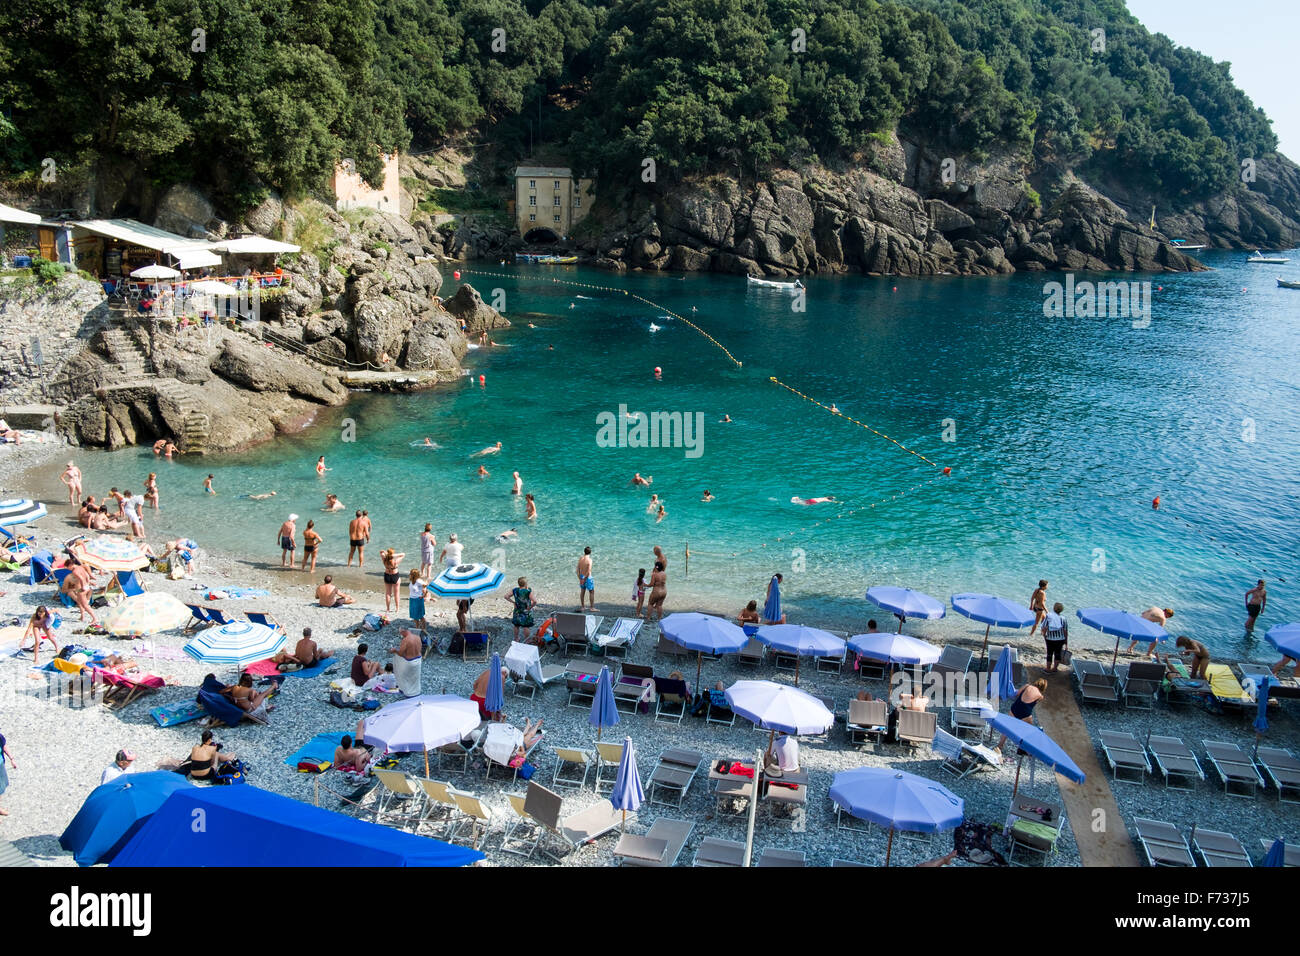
[213, 287]
[155, 271]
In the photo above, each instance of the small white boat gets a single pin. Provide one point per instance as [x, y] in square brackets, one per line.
[1287, 283]
[1260, 259]
[1182, 245]
[794, 286]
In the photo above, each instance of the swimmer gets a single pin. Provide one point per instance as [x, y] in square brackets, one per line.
[550, 348]
[483, 472]
[661, 515]
[320, 465]
[796, 500]
[262, 497]
[834, 409]
[572, 306]
[724, 420]
[505, 536]
[640, 482]
[653, 506]
[530, 512]
[489, 450]
[519, 485]
[332, 503]
[633, 416]
[531, 326]
[429, 444]
[654, 328]
[207, 485]
[708, 496]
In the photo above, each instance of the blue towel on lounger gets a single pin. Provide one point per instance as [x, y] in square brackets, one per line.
[320, 747]
[320, 668]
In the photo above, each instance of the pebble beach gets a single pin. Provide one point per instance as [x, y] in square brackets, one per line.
[61, 749]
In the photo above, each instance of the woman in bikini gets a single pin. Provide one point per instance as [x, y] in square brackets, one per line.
[75, 587]
[204, 759]
[392, 561]
[310, 542]
[41, 628]
[151, 490]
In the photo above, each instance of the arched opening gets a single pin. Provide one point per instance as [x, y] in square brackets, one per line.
[541, 235]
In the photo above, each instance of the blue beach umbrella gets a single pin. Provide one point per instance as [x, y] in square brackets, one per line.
[1276, 855]
[704, 634]
[495, 699]
[466, 581]
[992, 611]
[1108, 620]
[894, 649]
[897, 800]
[628, 794]
[19, 511]
[904, 603]
[1286, 638]
[603, 711]
[114, 812]
[772, 607]
[1001, 684]
[800, 641]
[1037, 744]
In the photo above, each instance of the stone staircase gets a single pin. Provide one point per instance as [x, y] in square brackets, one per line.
[125, 352]
[195, 425]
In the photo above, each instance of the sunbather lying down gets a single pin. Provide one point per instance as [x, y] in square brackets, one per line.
[350, 758]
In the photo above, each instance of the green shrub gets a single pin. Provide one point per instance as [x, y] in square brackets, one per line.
[48, 271]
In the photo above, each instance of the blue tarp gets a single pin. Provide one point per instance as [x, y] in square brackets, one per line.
[248, 826]
[116, 810]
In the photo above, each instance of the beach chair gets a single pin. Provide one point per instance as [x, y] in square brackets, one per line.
[198, 618]
[784, 660]
[1175, 761]
[438, 806]
[570, 631]
[220, 710]
[522, 829]
[546, 807]
[1218, 848]
[473, 814]
[671, 703]
[570, 757]
[833, 663]
[961, 758]
[1235, 768]
[848, 863]
[513, 771]
[1140, 683]
[953, 660]
[474, 646]
[719, 711]
[582, 689]
[1034, 836]
[867, 718]
[266, 620]
[785, 799]
[733, 794]
[774, 857]
[968, 720]
[1098, 688]
[59, 575]
[674, 774]
[41, 568]
[121, 690]
[752, 652]
[1290, 852]
[528, 674]
[1125, 754]
[661, 846]
[917, 726]
[1282, 769]
[398, 794]
[670, 648]
[218, 616]
[620, 637]
[128, 582]
[455, 751]
[715, 852]
[608, 756]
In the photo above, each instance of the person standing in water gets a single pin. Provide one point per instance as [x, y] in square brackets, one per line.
[530, 507]
[72, 478]
[151, 490]
[286, 535]
[1256, 601]
[311, 541]
[320, 465]
[519, 485]
[357, 541]
[428, 542]
[207, 485]
[586, 584]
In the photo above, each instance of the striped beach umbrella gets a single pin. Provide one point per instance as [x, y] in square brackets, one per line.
[146, 614]
[16, 511]
[236, 644]
[110, 554]
[467, 581]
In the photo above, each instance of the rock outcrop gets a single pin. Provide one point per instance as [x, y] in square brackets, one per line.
[44, 326]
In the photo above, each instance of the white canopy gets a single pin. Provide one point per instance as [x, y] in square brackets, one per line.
[10, 214]
[212, 287]
[138, 234]
[254, 245]
[155, 271]
[196, 259]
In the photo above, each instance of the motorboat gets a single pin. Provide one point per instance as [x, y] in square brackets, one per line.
[794, 286]
[1260, 259]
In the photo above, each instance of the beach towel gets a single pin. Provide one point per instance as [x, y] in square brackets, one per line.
[316, 671]
[266, 668]
[319, 749]
[408, 675]
[501, 741]
[173, 714]
[163, 652]
[245, 593]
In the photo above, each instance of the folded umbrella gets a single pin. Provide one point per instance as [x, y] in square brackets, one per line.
[628, 793]
[604, 712]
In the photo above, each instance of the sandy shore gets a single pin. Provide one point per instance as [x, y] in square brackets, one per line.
[60, 750]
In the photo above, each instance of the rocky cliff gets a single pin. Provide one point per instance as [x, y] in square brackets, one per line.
[899, 210]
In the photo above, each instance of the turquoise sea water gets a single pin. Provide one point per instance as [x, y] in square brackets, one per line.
[1064, 430]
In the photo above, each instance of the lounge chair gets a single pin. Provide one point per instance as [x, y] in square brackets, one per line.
[457, 750]
[474, 814]
[570, 632]
[661, 846]
[1282, 770]
[198, 618]
[567, 757]
[752, 652]
[1035, 825]
[221, 710]
[522, 821]
[867, 718]
[218, 616]
[953, 660]
[1140, 683]
[784, 660]
[512, 770]
[474, 646]
[775, 857]
[871, 669]
[715, 852]
[671, 648]
[917, 726]
[674, 773]
[1235, 768]
[528, 674]
[121, 690]
[719, 711]
[1175, 761]
[128, 582]
[781, 798]
[961, 758]
[608, 756]
[732, 794]
[671, 704]
[438, 803]
[1017, 668]
[41, 568]
[582, 689]
[1162, 843]
[546, 807]
[266, 620]
[620, 637]
[832, 664]
[1125, 754]
[1290, 852]
[848, 863]
[1218, 848]
[968, 720]
[1098, 688]
[397, 792]
[59, 575]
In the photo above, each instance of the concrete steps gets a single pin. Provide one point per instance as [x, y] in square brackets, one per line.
[126, 353]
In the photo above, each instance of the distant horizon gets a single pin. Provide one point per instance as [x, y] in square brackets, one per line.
[1258, 47]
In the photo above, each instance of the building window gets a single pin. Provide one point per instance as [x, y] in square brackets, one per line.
[557, 185]
[532, 217]
[556, 202]
[532, 184]
[577, 202]
[557, 218]
[532, 200]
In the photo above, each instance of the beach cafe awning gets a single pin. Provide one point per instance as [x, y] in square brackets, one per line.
[12, 215]
[196, 259]
[254, 245]
[138, 234]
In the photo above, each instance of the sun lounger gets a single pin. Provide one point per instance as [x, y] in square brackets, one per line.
[1235, 768]
[752, 652]
[848, 863]
[492, 762]
[439, 806]
[1218, 848]
[968, 720]
[473, 815]
[671, 648]
[218, 616]
[917, 726]
[546, 807]
[59, 575]
[198, 618]
[570, 631]
[527, 672]
[457, 750]
[609, 754]
[474, 646]
[671, 703]
[121, 689]
[582, 689]
[266, 620]
[774, 857]
[1162, 843]
[953, 660]
[661, 846]
[1282, 769]
[719, 711]
[1175, 761]
[522, 829]
[569, 757]
[785, 800]
[674, 774]
[620, 637]
[41, 568]
[961, 758]
[715, 852]
[398, 793]
[128, 582]
[1290, 852]
[1098, 688]
[1125, 754]
[1140, 682]
[867, 718]
[833, 664]
[1017, 668]
[1279, 688]
[733, 794]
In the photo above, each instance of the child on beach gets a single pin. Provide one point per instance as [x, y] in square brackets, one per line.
[417, 584]
[40, 628]
[638, 591]
[207, 485]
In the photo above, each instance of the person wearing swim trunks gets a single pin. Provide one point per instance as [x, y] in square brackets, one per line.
[310, 542]
[328, 595]
[519, 485]
[357, 541]
[586, 585]
[1155, 615]
[207, 485]
[307, 653]
[288, 531]
[1038, 604]
[1256, 601]
[428, 541]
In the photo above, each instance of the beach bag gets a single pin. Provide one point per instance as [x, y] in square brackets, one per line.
[526, 771]
[231, 772]
[1065, 655]
[372, 622]
[313, 766]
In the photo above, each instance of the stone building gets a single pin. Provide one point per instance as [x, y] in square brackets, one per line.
[549, 202]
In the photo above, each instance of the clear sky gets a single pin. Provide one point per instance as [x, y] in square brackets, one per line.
[1258, 39]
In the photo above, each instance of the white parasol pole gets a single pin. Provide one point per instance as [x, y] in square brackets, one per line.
[753, 808]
